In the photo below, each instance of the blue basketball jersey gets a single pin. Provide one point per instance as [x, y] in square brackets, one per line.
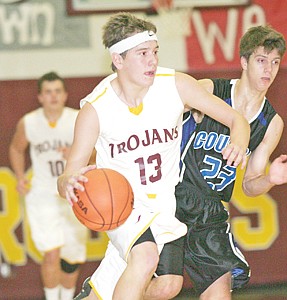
[203, 164]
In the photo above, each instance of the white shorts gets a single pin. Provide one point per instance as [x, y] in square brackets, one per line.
[53, 225]
[165, 228]
[106, 276]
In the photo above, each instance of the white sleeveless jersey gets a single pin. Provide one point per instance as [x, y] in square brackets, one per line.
[47, 161]
[143, 145]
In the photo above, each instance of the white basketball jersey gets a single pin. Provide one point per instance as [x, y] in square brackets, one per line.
[143, 144]
[47, 161]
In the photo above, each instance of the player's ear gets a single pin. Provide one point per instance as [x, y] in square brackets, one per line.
[117, 60]
[243, 62]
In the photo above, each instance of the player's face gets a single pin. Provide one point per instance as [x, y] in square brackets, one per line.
[53, 94]
[140, 63]
[262, 68]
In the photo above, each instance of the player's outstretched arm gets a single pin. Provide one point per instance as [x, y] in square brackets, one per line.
[257, 178]
[195, 96]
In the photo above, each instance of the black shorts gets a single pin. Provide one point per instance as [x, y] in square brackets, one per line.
[210, 250]
[171, 257]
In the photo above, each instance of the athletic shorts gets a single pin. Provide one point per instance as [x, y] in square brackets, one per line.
[164, 226]
[210, 250]
[106, 276]
[54, 225]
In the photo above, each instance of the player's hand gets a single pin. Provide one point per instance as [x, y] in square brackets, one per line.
[68, 183]
[235, 155]
[278, 170]
[23, 186]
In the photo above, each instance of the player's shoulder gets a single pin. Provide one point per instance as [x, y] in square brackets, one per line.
[223, 82]
[164, 77]
[33, 118]
[99, 90]
[278, 120]
[268, 105]
[162, 72]
[36, 113]
[71, 110]
[223, 87]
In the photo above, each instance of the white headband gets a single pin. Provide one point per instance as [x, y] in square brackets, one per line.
[132, 41]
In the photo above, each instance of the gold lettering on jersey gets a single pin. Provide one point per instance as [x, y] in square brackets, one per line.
[150, 137]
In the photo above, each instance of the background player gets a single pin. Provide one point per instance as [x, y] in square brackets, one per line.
[212, 260]
[48, 132]
[142, 146]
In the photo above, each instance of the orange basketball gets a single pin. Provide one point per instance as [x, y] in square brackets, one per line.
[106, 202]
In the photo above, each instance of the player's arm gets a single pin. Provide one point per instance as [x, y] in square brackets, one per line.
[208, 85]
[257, 179]
[93, 158]
[17, 150]
[85, 136]
[195, 96]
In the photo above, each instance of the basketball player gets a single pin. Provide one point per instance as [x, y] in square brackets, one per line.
[57, 234]
[122, 119]
[212, 259]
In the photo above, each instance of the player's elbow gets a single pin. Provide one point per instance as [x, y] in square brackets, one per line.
[247, 189]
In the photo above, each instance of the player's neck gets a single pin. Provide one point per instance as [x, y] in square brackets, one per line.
[53, 115]
[247, 100]
[130, 94]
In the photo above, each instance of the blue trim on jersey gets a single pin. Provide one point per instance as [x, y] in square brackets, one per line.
[262, 119]
[188, 127]
[228, 101]
[236, 272]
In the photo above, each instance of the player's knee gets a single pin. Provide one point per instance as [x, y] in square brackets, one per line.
[67, 267]
[176, 286]
[148, 264]
[146, 257]
[150, 261]
[51, 257]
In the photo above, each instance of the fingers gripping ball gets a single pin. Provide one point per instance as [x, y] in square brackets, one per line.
[106, 202]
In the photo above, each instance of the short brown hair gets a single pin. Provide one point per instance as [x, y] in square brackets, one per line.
[51, 76]
[122, 25]
[261, 36]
